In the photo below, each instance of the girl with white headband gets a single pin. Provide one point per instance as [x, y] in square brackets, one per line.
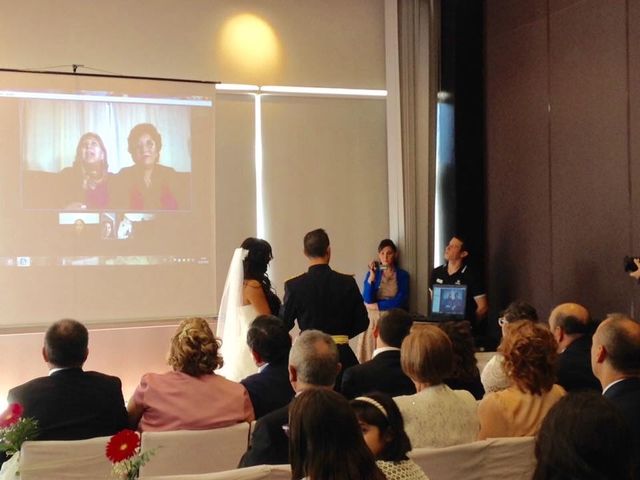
[383, 430]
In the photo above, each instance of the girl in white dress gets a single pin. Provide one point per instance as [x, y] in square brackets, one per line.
[247, 294]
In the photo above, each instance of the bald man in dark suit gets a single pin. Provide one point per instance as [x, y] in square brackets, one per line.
[572, 328]
[615, 359]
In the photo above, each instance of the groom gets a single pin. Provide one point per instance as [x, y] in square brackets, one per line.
[322, 299]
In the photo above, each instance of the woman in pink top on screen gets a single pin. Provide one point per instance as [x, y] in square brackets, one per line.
[192, 396]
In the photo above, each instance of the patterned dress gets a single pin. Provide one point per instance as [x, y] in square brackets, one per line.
[439, 417]
[402, 470]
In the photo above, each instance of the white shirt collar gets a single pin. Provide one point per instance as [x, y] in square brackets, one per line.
[262, 367]
[611, 385]
[383, 349]
[57, 369]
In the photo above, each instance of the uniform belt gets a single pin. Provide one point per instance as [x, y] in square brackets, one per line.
[340, 339]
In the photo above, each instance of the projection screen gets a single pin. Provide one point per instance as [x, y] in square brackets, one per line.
[107, 200]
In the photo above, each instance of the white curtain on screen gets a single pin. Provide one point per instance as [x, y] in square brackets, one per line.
[50, 130]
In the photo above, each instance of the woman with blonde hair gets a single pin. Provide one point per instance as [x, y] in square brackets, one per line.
[85, 184]
[191, 396]
[530, 354]
[436, 416]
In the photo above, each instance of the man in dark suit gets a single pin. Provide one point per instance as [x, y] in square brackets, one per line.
[615, 359]
[325, 300]
[383, 372]
[572, 328]
[313, 363]
[269, 342]
[69, 403]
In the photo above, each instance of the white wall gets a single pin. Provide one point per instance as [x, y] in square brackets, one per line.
[331, 43]
[127, 352]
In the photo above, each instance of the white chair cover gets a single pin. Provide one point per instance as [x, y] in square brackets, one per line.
[62, 460]
[195, 451]
[260, 472]
[511, 458]
[495, 458]
[452, 463]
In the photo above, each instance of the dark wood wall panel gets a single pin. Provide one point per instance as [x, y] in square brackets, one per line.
[517, 142]
[588, 152]
[563, 152]
[634, 122]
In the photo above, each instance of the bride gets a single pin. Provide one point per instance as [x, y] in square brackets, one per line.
[247, 294]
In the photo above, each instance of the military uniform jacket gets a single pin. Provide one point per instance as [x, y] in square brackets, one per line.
[325, 300]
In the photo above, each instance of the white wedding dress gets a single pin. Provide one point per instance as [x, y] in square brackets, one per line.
[233, 322]
[238, 362]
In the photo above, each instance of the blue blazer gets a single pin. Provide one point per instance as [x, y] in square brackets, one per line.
[400, 300]
[269, 389]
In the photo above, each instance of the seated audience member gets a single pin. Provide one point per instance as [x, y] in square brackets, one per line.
[326, 441]
[465, 375]
[69, 403]
[572, 328]
[436, 416]
[385, 287]
[493, 376]
[583, 437]
[270, 343]
[615, 359]
[313, 363]
[529, 359]
[192, 396]
[383, 373]
[383, 430]
[85, 185]
[147, 184]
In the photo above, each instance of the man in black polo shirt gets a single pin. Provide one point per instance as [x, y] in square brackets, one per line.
[456, 272]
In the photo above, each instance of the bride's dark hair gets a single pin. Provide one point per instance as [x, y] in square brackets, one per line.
[255, 268]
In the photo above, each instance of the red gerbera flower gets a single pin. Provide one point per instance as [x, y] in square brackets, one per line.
[123, 445]
[11, 415]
